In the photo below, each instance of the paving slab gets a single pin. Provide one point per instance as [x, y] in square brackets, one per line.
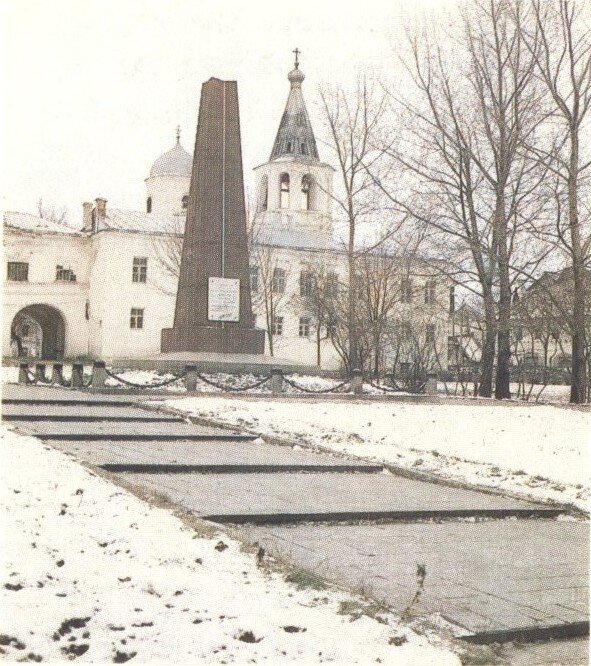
[106, 430]
[482, 576]
[207, 454]
[12, 393]
[81, 412]
[245, 498]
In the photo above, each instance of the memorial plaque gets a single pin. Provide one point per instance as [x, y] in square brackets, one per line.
[223, 299]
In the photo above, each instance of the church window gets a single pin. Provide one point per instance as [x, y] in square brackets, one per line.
[87, 310]
[452, 300]
[185, 202]
[300, 119]
[430, 285]
[306, 191]
[18, 271]
[63, 274]
[304, 331]
[140, 269]
[136, 319]
[278, 281]
[254, 279]
[277, 325]
[284, 190]
[306, 283]
[149, 205]
[289, 146]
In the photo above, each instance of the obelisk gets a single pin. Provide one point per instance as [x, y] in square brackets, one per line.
[213, 306]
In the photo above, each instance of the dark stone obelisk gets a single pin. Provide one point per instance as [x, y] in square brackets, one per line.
[215, 316]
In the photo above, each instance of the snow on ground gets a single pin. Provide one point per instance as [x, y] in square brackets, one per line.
[539, 450]
[92, 572]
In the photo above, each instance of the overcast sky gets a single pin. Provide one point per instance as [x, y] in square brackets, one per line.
[94, 89]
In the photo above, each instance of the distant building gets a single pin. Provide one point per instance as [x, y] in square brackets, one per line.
[107, 289]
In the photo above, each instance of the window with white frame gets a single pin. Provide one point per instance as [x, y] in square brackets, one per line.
[305, 325]
[18, 271]
[430, 286]
[306, 283]
[140, 269]
[278, 281]
[254, 279]
[136, 319]
[277, 325]
[63, 274]
[331, 288]
[406, 290]
[430, 334]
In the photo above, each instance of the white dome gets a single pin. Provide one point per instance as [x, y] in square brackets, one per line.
[175, 162]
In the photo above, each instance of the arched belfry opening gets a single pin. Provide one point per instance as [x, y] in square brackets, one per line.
[284, 190]
[38, 331]
[307, 192]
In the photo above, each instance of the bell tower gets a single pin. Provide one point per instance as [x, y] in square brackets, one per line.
[294, 188]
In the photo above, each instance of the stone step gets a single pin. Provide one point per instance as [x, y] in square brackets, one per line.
[82, 412]
[125, 431]
[230, 454]
[492, 580]
[134, 468]
[285, 498]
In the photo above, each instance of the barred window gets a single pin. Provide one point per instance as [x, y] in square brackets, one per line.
[63, 274]
[18, 271]
[278, 281]
[149, 205]
[306, 189]
[254, 278]
[430, 285]
[277, 326]
[140, 269]
[136, 319]
[304, 330]
[185, 202]
[306, 283]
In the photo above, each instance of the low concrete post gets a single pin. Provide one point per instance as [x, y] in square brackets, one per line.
[57, 373]
[77, 375]
[357, 381]
[191, 377]
[99, 374]
[276, 381]
[431, 385]
[40, 372]
[23, 373]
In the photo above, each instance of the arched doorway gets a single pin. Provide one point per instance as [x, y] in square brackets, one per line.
[38, 331]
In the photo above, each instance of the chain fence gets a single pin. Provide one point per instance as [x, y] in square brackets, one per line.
[127, 382]
[305, 389]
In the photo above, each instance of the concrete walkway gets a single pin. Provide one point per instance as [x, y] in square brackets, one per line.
[498, 569]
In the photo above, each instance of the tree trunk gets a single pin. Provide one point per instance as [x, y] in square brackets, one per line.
[351, 315]
[578, 374]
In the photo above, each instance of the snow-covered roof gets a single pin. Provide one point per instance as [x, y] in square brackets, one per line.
[296, 238]
[29, 222]
[141, 222]
[175, 162]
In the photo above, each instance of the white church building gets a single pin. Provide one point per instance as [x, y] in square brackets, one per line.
[107, 289]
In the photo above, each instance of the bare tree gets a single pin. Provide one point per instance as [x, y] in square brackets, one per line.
[560, 44]
[51, 213]
[473, 182]
[355, 124]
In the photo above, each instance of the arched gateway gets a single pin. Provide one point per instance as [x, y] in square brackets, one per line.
[38, 331]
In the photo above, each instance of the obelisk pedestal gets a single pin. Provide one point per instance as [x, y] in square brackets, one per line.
[213, 306]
